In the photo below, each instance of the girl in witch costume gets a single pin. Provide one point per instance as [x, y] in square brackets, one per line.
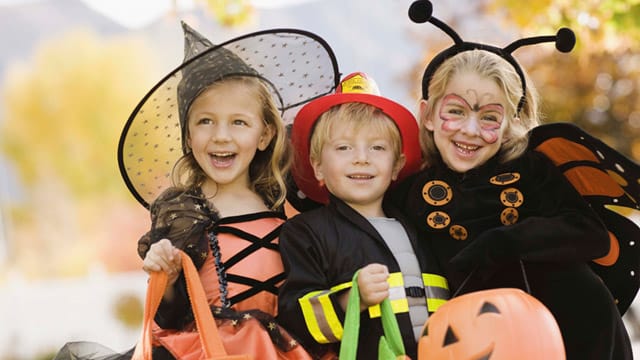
[492, 209]
[350, 146]
[223, 107]
[227, 212]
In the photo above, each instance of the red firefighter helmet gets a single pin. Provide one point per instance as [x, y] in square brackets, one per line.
[355, 87]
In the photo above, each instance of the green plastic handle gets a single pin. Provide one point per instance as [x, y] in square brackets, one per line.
[390, 345]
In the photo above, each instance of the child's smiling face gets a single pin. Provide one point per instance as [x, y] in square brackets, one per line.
[469, 121]
[226, 129]
[358, 167]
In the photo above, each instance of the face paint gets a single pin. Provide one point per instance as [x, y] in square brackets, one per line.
[455, 111]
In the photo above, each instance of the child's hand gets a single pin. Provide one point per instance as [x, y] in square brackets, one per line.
[372, 283]
[163, 256]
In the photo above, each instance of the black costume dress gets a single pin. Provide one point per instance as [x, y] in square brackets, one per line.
[483, 222]
[321, 250]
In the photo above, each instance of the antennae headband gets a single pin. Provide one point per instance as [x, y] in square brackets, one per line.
[421, 11]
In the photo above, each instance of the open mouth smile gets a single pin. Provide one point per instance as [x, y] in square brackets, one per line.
[222, 158]
[467, 149]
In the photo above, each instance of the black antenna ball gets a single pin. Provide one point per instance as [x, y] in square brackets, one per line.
[420, 11]
[565, 40]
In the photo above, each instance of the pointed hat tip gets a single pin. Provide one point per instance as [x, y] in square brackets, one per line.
[194, 42]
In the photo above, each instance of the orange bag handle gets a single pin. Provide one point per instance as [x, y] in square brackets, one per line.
[207, 329]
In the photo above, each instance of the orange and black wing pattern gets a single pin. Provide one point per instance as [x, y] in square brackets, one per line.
[610, 182]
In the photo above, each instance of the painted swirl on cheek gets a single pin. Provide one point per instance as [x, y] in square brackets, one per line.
[489, 136]
[490, 129]
[449, 124]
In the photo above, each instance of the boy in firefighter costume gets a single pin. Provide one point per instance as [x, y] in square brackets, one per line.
[351, 146]
[495, 207]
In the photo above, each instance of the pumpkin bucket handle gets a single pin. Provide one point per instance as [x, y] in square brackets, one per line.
[524, 278]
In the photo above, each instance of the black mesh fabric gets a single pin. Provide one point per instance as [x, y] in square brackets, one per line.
[296, 65]
[87, 350]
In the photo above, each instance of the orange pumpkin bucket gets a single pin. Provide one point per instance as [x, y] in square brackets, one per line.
[497, 324]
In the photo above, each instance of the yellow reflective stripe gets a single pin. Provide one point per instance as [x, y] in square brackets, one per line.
[335, 326]
[341, 287]
[395, 279]
[320, 316]
[310, 317]
[435, 297]
[397, 296]
[374, 311]
[434, 304]
[400, 305]
[435, 280]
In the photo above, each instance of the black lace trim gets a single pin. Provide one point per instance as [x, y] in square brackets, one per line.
[220, 269]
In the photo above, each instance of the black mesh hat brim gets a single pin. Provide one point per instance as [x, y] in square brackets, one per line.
[297, 65]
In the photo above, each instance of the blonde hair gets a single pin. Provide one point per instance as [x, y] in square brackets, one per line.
[267, 169]
[495, 68]
[356, 116]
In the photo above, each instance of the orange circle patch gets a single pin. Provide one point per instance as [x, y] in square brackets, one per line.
[505, 179]
[509, 216]
[458, 232]
[437, 193]
[438, 220]
[511, 197]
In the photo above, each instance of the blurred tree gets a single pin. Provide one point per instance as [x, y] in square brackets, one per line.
[597, 85]
[606, 23]
[63, 113]
[230, 12]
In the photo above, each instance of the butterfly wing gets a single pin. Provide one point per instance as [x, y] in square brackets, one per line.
[610, 182]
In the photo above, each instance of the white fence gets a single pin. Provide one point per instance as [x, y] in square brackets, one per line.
[37, 318]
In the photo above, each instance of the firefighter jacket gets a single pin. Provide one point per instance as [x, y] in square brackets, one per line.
[321, 250]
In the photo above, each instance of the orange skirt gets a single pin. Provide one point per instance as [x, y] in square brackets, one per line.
[251, 332]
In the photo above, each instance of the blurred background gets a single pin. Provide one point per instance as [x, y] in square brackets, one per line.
[71, 72]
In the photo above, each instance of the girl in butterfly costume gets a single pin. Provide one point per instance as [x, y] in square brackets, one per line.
[495, 206]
